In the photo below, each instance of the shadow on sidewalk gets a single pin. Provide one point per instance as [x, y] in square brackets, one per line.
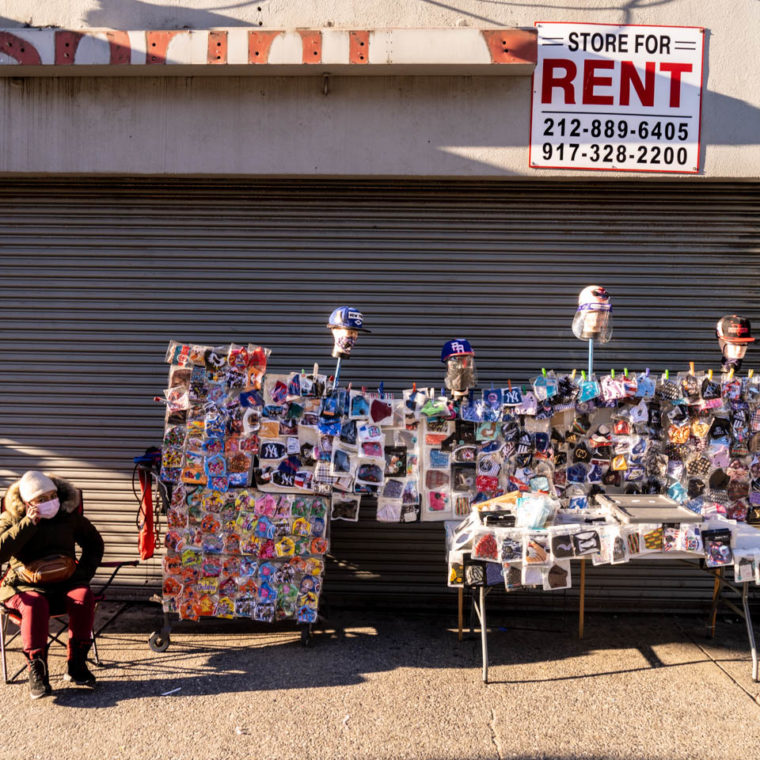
[234, 656]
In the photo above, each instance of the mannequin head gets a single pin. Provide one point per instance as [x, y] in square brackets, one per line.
[346, 323]
[734, 336]
[593, 318]
[459, 359]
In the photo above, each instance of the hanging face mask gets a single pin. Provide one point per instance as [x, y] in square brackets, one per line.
[49, 508]
[344, 341]
[593, 318]
[460, 374]
[733, 353]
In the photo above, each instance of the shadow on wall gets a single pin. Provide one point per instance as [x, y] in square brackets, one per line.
[129, 14]
[626, 7]
[120, 14]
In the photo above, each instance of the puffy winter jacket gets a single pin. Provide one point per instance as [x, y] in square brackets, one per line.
[22, 542]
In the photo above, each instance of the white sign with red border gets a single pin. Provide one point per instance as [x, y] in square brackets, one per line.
[617, 98]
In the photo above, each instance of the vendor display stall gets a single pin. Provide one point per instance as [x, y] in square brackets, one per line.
[569, 466]
[612, 469]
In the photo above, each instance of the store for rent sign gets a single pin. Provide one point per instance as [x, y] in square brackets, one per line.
[617, 98]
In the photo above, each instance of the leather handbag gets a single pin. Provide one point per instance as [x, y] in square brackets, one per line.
[52, 569]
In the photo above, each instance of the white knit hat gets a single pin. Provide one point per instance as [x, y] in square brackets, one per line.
[34, 483]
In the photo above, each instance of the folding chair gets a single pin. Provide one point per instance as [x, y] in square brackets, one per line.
[8, 614]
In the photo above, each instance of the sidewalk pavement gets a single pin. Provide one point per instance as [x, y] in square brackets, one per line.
[400, 686]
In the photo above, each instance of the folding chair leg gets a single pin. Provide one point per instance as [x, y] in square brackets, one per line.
[95, 649]
[3, 626]
[4, 618]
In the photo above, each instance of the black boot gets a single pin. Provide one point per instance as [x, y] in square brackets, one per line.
[39, 685]
[77, 671]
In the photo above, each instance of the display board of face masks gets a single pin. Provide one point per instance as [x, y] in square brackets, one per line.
[259, 463]
[690, 436]
[344, 443]
[231, 549]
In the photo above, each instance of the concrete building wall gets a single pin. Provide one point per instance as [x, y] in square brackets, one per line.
[365, 126]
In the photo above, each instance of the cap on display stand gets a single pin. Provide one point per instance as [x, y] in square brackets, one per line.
[347, 317]
[456, 347]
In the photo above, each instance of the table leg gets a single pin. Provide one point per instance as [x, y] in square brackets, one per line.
[750, 631]
[460, 611]
[484, 632]
[715, 600]
[582, 602]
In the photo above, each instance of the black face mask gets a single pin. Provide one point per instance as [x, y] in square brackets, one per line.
[731, 364]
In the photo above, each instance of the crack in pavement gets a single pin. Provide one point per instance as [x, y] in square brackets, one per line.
[494, 738]
[755, 700]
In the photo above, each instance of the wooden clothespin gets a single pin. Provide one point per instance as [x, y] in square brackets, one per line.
[691, 368]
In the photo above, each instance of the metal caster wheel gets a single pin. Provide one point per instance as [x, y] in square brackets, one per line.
[159, 642]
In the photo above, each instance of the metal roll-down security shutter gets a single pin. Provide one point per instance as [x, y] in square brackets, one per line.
[97, 275]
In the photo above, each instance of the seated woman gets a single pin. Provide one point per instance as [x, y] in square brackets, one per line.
[41, 520]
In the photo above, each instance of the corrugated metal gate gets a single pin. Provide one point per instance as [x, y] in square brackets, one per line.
[98, 275]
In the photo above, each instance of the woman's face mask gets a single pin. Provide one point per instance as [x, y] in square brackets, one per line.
[48, 509]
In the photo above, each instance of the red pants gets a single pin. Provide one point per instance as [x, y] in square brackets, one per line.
[34, 609]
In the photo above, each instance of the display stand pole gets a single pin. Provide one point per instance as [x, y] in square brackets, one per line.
[337, 374]
[582, 600]
[582, 604]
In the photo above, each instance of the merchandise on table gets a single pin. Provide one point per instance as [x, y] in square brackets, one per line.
[539, 555]
[690, 437]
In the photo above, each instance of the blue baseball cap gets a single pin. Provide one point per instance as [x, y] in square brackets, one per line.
[456, 347]
[347, 317]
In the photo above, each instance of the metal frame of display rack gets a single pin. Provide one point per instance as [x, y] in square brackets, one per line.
[160, 639]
